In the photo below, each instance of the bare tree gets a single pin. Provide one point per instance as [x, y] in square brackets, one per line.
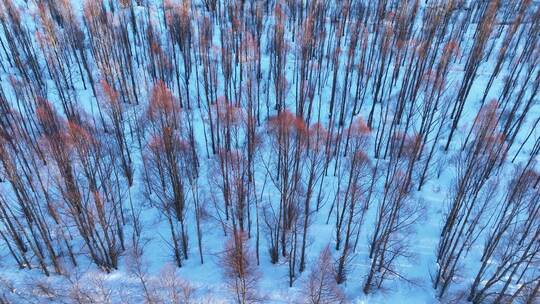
[169, 165]
[471, 197]
[321, 286]
[240, 270]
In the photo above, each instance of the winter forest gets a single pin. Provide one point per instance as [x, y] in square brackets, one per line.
[269, 151]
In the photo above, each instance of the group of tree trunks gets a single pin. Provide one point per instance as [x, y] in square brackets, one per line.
[259, 117]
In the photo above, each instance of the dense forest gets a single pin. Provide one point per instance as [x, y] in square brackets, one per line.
[269, 151]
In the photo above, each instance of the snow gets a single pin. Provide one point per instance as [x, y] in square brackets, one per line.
[122, 286]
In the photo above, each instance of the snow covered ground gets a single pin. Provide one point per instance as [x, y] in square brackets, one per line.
[156, 274]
